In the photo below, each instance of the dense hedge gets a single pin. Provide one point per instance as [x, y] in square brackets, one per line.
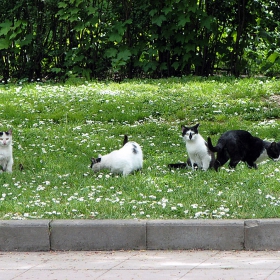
[129, 38]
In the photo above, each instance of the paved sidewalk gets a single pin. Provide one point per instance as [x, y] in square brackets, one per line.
[140, 265]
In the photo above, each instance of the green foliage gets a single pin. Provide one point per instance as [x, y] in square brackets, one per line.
[104, 38]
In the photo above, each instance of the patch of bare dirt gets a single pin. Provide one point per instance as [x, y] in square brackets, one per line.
[275, 98]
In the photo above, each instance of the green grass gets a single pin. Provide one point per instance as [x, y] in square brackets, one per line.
[58, 128]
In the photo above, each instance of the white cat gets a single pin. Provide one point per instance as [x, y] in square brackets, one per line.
[197, 148]
[127, 159]
[6, 151]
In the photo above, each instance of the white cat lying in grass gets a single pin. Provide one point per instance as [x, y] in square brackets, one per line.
[6, 151]
[127, 159]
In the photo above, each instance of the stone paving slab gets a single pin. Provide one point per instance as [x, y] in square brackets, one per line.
[22, 235]
[262, 234]
[151, 264]
[78, 235]
[195, 234]
[88, 235]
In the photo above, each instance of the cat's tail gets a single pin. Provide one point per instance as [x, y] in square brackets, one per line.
[211, 147]
[125, 139]
[178, 165]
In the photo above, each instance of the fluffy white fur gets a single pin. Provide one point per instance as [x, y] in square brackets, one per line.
[123, 161]
[6, 151]
[197, 150]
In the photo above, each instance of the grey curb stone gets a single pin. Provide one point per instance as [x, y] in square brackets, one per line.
[24, 236]
[195, 234]
[262, 234]
[87, 235]
[45, 235]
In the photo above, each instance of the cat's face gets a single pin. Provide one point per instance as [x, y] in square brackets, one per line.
[6, 138]
[190, 133]
[273, 151]
[95, 163]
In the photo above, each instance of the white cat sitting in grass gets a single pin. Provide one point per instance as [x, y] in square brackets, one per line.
[200, 157]
[127, 159]
[6, 151]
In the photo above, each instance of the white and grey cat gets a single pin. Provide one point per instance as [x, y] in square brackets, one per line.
[127, 159]
[6, 151]
[197, 148]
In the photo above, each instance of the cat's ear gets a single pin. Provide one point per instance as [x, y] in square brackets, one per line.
[197, 125]
[274, 151]
[95, 160]
[183, 128]
[274, 146]
[125, 139]
[10, 131]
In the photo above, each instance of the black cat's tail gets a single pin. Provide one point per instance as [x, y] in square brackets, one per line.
[211, 147]
[125, 140]
[182, 165]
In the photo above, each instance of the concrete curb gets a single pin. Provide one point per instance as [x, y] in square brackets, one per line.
[86, 235]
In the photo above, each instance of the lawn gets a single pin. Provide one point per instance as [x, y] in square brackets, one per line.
[57, 128]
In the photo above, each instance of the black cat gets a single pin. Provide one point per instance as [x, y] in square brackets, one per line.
[240, 145]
